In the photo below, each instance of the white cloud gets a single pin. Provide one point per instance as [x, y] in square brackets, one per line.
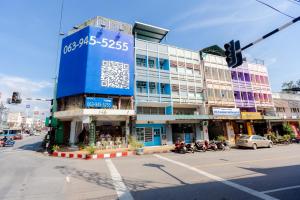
[225, 14]
[27, 89]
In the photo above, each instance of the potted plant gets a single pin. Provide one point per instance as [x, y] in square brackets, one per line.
[136, 145]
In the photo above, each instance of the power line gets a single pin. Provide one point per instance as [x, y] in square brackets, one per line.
[297, 2]
[275, 9]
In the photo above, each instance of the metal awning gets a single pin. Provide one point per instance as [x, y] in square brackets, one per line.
[149, 32]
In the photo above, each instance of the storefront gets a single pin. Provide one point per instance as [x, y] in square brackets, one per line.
[186, 132]
[151, 134]
[222, 123]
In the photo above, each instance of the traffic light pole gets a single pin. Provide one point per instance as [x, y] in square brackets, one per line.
[269, 34]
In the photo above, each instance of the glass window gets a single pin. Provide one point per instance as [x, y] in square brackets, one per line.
[215, 75]
[141, 87]
[237, 95]
[140, 134]
[241, 76]
[250, 96]
[208, 72]
[247, 77]
[152, 88]
[148, 134]
[234, 75]
[141, 61]
[151, 62]
[257, 79]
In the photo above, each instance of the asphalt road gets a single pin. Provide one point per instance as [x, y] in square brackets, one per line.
[235, 174]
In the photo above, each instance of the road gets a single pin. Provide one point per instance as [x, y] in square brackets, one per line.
[235, 174]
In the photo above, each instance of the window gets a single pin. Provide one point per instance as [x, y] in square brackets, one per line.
[152, 88]
[262, 79]
[175, 89]
[148, 134]
[234, 75]
[140, 134]
[250, 96]
[141, 87]
[164, 88]
[237, 95]
[256, 97]
[252, 78]
[221, 74]
[266, 80]
[208, 72]
[141, 61]
[151, 62]
[257, 80]
[215, 75]
[163, 64]
[241, 76]
[247, 77]
[244, 95]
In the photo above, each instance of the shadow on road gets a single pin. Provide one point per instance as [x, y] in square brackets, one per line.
[36, 146]
[261, 179]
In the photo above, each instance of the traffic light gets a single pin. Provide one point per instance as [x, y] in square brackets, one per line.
[16, 98]
[233, 54]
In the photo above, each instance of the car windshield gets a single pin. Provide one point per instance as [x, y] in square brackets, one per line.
[244, 137]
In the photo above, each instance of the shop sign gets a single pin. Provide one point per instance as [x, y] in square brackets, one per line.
[226, 112]
[96, 102]
[251, 115]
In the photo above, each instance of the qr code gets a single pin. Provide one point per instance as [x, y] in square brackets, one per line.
[115, 74]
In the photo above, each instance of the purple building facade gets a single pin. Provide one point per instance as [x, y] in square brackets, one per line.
[243, 92]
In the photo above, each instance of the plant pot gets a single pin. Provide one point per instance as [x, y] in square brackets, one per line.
[139, 151]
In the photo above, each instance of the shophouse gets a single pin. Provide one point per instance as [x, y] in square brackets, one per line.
[169, 97]
[220, 97]
[287, 107]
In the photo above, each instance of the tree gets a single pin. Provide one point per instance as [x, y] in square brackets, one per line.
[288, 85]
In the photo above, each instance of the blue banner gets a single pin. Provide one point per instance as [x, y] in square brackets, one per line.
[96, 60]
[96, 102]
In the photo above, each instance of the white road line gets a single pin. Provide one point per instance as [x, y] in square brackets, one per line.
[121, 189]
[281, 189]
[216, 178]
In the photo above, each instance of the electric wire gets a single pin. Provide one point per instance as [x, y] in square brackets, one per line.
[274, 9]
[295, 2]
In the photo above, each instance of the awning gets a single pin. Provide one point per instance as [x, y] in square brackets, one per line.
[149, 32]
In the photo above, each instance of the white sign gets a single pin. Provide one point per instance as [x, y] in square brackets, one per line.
[226, 111]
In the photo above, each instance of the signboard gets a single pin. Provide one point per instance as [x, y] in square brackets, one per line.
[226, 112]
[95, 102]
[96, 60]
[251, 115]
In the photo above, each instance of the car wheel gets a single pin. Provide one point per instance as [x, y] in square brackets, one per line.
[254, 146]
[270, 145]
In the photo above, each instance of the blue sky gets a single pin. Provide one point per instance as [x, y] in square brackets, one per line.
[29, 32]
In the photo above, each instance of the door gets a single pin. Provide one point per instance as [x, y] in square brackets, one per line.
[156, 136]
[187, 138]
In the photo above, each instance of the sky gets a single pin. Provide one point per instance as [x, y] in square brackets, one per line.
[29, 35]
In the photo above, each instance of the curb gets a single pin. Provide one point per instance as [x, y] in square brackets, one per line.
[101, 155]
[91, 157]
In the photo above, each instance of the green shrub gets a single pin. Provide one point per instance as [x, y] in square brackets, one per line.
[221, 138]
[286, 137]
[287, 128]
[134, 144]
[55, 147]
[91, 150]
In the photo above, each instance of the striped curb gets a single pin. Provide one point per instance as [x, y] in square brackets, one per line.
[101, 155]
[91, 157]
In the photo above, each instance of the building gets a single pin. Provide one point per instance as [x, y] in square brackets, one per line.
[287, 107]
[128, 82]
[169, 90]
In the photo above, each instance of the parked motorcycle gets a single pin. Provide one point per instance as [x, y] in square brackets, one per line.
[7, 142]
[200, 146]
[210, 145]
[180, 146]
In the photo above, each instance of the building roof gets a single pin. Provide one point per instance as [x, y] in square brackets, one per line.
[215, 50]
[149, 32]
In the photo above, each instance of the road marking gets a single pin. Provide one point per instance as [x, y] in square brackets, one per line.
[68, 179]
[122, 191]
[219, 179]
[281, 189]
[247, 161]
